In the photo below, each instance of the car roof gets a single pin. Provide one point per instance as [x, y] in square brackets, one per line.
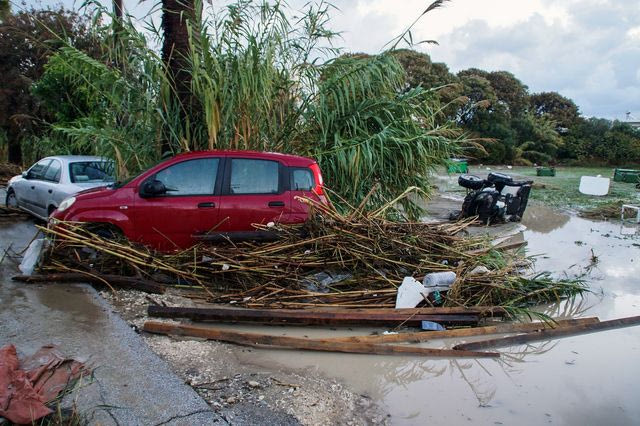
[76, 158]
[288, 159]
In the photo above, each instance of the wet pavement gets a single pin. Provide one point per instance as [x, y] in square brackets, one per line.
[131, 385]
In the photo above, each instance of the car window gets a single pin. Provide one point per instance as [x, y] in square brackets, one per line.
[192, 177]
[91, 171]
[254, 176]
[302, 180]
[38, 169]
[53, 171]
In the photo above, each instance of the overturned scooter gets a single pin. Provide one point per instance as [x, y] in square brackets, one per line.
[498, 198]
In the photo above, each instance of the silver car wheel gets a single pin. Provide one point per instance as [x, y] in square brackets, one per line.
[11, 201]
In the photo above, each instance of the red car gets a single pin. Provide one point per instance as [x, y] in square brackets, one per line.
[199, 195]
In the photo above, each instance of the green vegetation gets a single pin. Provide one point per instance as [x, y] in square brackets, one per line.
[250, 76]
[27, 41]
[247, 77]
[513, 126]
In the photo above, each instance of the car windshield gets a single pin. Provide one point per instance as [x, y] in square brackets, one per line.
[91, 171]
[121, 183]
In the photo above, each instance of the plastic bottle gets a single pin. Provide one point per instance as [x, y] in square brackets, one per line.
[439, 279]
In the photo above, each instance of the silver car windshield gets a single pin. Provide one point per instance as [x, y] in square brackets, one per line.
[91, 171]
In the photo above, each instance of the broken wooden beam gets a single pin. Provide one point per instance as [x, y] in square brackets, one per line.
[262, 340]
[94, 278]
[423, 336]
[456, 316]
[549, 334]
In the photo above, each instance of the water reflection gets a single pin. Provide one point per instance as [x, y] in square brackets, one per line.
[543, 219]
[530, 384]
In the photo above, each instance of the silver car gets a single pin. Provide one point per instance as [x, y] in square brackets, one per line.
[41, 189]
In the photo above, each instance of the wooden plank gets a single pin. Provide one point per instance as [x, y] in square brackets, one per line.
[478, 310]
[94, 278]
[262, 340]
[308, 317]
[423, 336]
[550, 334]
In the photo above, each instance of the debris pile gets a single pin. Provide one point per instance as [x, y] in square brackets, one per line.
[335, 270]
[354, 260]
[603, 211]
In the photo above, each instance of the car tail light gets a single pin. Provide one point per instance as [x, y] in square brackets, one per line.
[317, 176]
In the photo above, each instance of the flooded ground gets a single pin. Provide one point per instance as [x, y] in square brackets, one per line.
[587, 380]
[590, 379]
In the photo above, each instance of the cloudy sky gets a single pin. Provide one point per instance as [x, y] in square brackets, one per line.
[588, 50]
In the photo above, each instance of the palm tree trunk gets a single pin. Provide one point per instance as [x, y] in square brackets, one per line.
[117, 9]
[176, 15]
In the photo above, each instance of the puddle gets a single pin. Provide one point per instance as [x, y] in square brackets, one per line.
[590, 379]
[69, 309]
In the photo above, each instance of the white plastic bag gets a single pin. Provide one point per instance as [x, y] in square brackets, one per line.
[410, 293]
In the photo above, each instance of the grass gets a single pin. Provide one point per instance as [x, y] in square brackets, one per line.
[561, 191]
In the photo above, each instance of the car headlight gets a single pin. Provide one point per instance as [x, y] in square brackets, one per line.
[66, 203]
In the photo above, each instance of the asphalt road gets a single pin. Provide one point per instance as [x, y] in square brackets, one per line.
[131, 385]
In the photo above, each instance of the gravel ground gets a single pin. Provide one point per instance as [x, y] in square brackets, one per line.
[241, 393]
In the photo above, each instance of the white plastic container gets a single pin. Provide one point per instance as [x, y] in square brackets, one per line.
[439, 279]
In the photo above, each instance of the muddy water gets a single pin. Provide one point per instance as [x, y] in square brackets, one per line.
[588, 380]
[68, 309]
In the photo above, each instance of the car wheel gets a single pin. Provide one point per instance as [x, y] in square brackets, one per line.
[105, 230]
[11, 201]
[51, 210]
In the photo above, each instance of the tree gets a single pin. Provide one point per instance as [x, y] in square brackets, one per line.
[27, 40]
[538, 140]
[117, 9]
[421, 71]
[177, 17]
[480, 99]
[5, 10]
[620, 144]
[556, 107]
[256, 82]
[510, 92]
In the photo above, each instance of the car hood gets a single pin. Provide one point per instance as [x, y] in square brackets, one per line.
[14, 179]
[90, 186]
[94, 192]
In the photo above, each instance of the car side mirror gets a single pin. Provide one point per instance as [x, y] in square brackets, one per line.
[25, 175]
[152, 188]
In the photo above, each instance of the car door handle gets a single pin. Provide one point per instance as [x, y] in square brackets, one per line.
[276, 203]
[206, 205]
